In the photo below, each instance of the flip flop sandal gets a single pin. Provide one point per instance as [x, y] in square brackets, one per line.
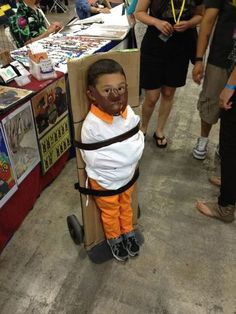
[161, 139]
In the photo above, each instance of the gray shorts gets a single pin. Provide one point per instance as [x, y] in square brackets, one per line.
[208, 102]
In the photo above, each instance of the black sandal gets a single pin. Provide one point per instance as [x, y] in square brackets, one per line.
[157, 138]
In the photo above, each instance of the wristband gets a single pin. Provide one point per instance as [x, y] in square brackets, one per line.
[198, 59]
[232, 87]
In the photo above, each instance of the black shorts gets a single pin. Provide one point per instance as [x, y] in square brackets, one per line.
[164, 63]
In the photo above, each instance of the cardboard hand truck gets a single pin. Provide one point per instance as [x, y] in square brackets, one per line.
[91, 232]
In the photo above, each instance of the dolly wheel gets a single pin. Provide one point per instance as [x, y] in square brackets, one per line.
[75, 229]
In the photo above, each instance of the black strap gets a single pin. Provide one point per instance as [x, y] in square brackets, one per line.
[119, 138]
[103, 193]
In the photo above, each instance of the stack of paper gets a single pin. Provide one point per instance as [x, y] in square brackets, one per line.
[113, 32]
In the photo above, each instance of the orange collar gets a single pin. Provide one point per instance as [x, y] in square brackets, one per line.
[105, 116]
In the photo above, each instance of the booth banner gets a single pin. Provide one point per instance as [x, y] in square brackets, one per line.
[21, 137]
[49, 106]
[7, 177]
[53, 144]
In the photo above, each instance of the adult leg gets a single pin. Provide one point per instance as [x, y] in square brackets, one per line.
[167, 95]
[208, 106]
[151, 98]
[225, 208]
[205, 128]
[228, 157]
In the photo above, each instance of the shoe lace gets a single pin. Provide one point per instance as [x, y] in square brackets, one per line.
[132, 240]
[201, 145]
[116, 247]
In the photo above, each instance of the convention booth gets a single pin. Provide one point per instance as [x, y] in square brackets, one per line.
[35, 128]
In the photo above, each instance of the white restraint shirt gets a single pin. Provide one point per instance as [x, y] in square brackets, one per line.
[112, 166]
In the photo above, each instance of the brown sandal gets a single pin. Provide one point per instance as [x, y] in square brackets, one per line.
[161, 139]
[214, 210]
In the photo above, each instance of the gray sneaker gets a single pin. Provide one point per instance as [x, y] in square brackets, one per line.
[200, 149]
[118, 249]
[131, 244]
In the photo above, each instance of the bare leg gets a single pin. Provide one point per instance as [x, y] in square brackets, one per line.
[167, 95]
[151, 98]
[205, 128]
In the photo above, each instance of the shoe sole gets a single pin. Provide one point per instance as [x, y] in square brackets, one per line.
[196, 156]
[132, 254]
[120, 259]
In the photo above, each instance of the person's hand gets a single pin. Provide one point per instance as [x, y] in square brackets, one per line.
[58, 25]
[182, 26]
[197, 72]
[105, 10]
[224, 99]
[54, 27]
[131, 20]
[165, 27]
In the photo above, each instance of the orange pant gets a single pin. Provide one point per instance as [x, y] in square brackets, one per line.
[116, 211]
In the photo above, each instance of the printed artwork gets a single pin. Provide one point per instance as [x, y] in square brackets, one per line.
[61, 47]
[7, 179]
[20, 133]
[49, 106]
[115, 32]
[10, 96]
[53, 145]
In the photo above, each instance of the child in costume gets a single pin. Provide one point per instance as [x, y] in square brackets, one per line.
[112, 167]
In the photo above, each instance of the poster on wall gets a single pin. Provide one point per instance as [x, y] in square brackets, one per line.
[49, 106]
[21, 138]
[8, 184]
[54, 144]
[10, 96]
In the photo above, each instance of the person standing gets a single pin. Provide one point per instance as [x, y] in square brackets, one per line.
[168, 45]
[218, 65]
[224, 209]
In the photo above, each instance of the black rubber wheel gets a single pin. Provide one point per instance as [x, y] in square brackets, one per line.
[75, 229]
[139, 212]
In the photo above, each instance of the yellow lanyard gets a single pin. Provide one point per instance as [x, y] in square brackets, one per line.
[180, 13]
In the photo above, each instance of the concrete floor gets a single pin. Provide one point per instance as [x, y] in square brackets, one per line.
[187, 262]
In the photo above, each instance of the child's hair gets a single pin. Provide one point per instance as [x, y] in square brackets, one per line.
[101, 67]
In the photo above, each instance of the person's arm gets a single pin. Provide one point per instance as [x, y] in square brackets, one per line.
[194, 21]
[228, 91]
[206, 27]
[53, 28]
[96, 10]
[107, 3]
[142, 15]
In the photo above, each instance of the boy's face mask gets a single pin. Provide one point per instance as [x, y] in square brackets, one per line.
[114, 102]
